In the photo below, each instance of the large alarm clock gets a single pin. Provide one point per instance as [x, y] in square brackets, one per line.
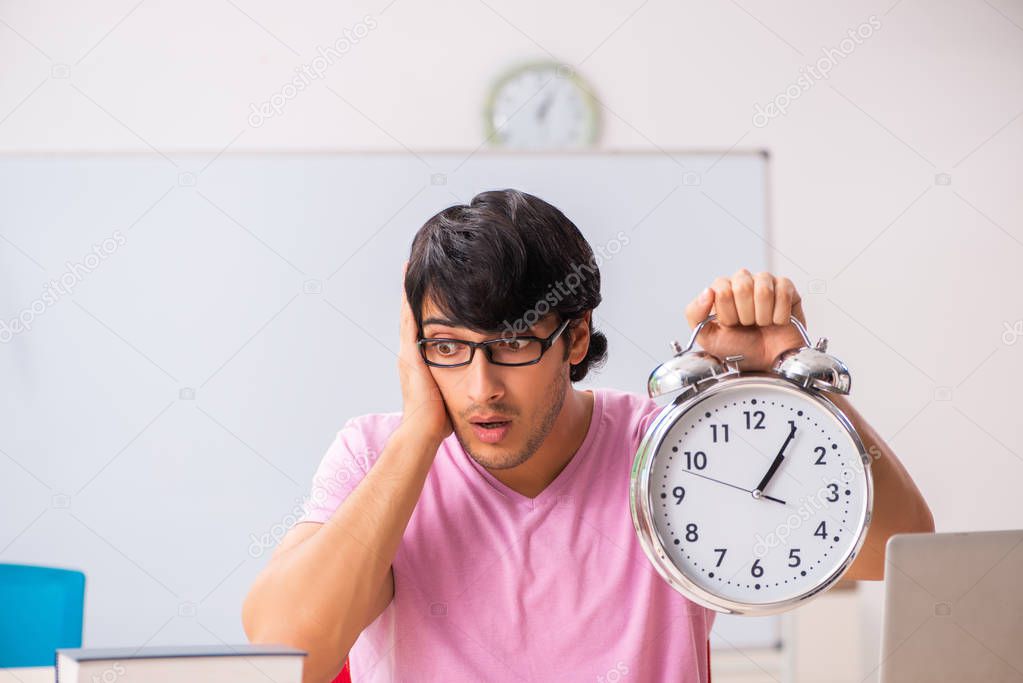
[751, 492]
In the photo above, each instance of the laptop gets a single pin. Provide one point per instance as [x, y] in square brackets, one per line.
[953, 608]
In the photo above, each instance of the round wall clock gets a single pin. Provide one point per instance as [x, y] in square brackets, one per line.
[541, 105]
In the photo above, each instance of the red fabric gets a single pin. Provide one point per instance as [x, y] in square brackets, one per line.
[345, 676]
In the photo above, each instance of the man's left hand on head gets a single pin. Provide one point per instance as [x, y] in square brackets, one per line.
[752, 317]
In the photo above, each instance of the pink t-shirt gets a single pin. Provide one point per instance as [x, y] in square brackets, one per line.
[491, 585]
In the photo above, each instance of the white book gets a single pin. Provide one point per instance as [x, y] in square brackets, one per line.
[195, 664]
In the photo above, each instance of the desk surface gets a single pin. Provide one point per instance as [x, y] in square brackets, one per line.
[43, 674]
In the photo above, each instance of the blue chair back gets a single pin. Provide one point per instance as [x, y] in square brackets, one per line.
[40, 611]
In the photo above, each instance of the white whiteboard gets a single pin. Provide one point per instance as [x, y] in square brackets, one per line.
[168, 411]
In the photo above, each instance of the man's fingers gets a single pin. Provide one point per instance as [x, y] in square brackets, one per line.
[699, 308]
[787, 302]
[724, 303]
[797, 308]
[782, 301]
[406, 327]
[763, 297]
[742, 293]
[404, 311]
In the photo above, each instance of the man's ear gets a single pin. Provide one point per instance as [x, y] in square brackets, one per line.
[580, 339]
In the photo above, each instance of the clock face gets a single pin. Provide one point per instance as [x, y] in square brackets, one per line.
[757, 493]
[541, 106]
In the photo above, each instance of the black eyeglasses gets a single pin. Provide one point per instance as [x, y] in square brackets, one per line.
[452, 353]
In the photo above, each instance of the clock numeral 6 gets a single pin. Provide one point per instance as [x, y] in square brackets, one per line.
[697, 459]
[794, 555]
[756, 570]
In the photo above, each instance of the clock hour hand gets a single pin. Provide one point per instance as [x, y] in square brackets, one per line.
[541, 112]
[758, 492]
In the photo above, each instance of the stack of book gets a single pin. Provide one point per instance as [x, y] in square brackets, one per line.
[195, 664]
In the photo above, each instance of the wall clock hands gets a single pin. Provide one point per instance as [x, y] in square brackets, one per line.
[758, 492]
[725, 483]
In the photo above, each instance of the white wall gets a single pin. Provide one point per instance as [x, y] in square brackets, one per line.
[913, 281]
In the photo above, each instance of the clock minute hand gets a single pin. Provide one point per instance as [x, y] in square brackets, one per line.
[697, 474]
[759, 490]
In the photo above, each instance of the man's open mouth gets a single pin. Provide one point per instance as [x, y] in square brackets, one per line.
[489, 421]
[491, 428]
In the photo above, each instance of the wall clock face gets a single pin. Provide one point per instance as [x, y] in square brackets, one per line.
[752, 495]
[541, 105]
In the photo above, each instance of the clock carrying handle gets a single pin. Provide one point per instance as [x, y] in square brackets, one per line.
[692, 339]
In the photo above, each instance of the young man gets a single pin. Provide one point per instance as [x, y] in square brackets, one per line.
[484, 532]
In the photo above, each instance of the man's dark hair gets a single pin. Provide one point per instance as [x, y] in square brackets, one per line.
[501, 263]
